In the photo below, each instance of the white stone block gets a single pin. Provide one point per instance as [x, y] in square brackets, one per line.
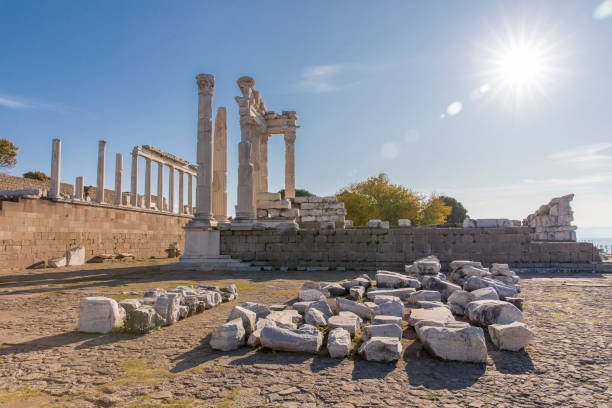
[98, 315]
[75, 256]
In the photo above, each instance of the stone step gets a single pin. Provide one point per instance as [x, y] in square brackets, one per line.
[268, 196]
[276, 204]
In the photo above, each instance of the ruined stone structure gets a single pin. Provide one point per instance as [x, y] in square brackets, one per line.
[553, 221]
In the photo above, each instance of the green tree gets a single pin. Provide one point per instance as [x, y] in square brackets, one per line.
[458, 212]
[36, 175]
[8, 153]
[378, 198]
[299, 192]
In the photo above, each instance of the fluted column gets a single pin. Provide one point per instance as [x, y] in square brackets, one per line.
[245, 210]
[78, 188]
[134, 181]
[203, 213]
[147, 197]
[190, 195]
[160, 186]
[181, 192]
[171, 189]
[290, 164]
[220, 167]
[56, 163]
[101, 170]
[263, 162]
[118, 177]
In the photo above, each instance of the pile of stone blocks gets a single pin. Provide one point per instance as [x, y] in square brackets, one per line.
[490, 223]
[158, 307]
[273, 210]
[318, 212]
[552, 221]
[365, 317]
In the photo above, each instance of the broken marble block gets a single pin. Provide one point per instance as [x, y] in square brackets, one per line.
[444, 287]
[345, 320]
[427, 295]
[228, 337]
[357, 292]
[455, 341]
[167, 306]
[518, 302]
[334, 289]
[57, 262]
[301, 307]
[473, 283]
[402, 293]
[98, 315]
[427, 265]
[382, 349]
[247, 316]
[142, 320]
[154, 293]
[394, 280]
[338, 342]
[303, 341]
[254, 338]
[487, 312]
[460, 263]
[382, 330]
[512, 337]
[315, 317]
[382, 319]
[306, 295]
[130, 304]
[75, 256]
[436, 314]
[361, 310]
[287, 319]
[323, 307]
[391, 308]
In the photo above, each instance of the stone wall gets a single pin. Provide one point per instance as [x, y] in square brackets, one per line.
[314, 210]
[21, 183]
[36, 230]
[358, 248]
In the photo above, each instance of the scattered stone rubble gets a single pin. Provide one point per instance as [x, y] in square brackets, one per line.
[161, 307]
[553, 221]
[365, 317]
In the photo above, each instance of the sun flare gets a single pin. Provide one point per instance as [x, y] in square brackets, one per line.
[522, 66]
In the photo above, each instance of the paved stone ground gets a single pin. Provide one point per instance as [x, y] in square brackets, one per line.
[45, 362]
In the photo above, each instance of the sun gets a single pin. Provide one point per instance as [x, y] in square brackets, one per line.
[521, 66]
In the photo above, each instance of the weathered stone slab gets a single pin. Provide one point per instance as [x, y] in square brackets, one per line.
[394, 280]
[228, 337]
[474, 283]
[403, 293]
[254, 338]
[425, 304]
[130, 304]
[392, 308]
[75, 256]
[98, 315]
[247, 316]
[310, 295]
[338, 342]
[445, 288]
[382, 319]
[512, 337]
[345, 320]
[487, 312]
[488, 293]
[314, 317]
[167, 306]
[383, 299]
[382, 349]
[142, 320]
[301, 307]
[261, 310]
[382, 330]
[452, 343]
[360, 281]
[334, 289]
[277, 338]
[357, 292]
[323, 307]
[57, 262]
[425, 295]
[286, 318]
[518, 302]
[439, 314]
[359, 309]
[459, 263]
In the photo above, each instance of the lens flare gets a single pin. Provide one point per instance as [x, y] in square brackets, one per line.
[604, 10]
[454, 108]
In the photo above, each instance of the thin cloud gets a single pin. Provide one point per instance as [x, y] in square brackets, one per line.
[11, 102]
[326, 78]
[585, 156]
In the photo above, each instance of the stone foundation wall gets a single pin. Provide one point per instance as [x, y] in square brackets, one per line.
[362, 248]
[21, 183]
[36, 230]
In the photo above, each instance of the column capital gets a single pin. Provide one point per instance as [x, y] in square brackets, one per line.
[206, 84]
[289, 137]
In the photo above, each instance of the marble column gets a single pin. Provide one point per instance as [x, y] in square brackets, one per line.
[171, 189]
[203, 217]
[263, 162]
[190, 195]
[118, 177]
[134, 181]
[255, 160]
[101, 170]
[78, 188]
[147, 196]
[160, 186]
[245, 210]
[220, 167]
[181, 200]
[290, 164]
[56, 161]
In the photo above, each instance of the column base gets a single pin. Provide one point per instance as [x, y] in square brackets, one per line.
[244, 224]
[201, 245]
[200, 223]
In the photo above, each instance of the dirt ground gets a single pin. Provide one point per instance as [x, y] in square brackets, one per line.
[45, 362]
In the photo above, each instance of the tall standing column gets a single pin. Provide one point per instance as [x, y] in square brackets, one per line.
[147, 197]
[171, 189]
[190, 195]
[78, 188]
[134, 181]
[255, 159]
[101, 170]
[203, 213]
[56, 160]
[181, 192]
[220, 167]
[160, 186]
[290, 164]
[118, 177]
[263, 163]
[245, 210]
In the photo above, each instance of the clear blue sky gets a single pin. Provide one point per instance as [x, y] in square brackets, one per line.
[370, 82]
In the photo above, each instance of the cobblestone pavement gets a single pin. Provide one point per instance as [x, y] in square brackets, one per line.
[45, 362]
